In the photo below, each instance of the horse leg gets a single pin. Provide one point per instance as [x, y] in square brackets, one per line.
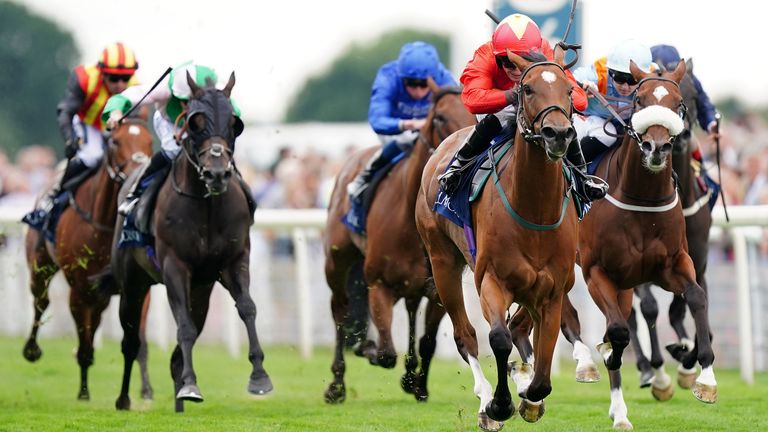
[677, 309]
[586, 369]
[681, 280]
[131, 300]
[427, 345]
[146, 387]
[87, 315]
[381, 300]
[652, 372]
[494, 301]
[41, 272]
[177, 279]
[237, 280]
[643, 364]
[618, 410]
[408, 380]
[520, 326]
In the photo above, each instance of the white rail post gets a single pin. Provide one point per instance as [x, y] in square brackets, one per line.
[303, 295]
[746, 350]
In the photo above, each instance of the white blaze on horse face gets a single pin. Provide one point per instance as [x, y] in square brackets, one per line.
[660, 92]
[548, 76]
[134, 130]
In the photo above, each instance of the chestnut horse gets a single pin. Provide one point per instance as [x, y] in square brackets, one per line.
[698, 221]
[526, 232]
[395, 265]
[637, 234]
[83, 246]
[201, 236]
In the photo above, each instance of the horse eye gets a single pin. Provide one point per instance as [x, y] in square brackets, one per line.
[527, 90]
[197, 123]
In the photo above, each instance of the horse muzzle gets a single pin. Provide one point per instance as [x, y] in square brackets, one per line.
[556, 140]
[216, 179]
[655, 156]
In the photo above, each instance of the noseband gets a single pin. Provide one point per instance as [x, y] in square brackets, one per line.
[527, 130]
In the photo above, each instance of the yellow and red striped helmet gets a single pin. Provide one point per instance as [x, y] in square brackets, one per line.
[517, 33]
[118, 59]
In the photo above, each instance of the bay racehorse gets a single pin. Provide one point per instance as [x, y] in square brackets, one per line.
[201, 236]
[694, 197]
[395, 264]
[526, 230]
[82, 248]
[637, 233]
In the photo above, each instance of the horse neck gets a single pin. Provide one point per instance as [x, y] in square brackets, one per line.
[637, 181]
[104, 191]
[534, 185]
[414, 169]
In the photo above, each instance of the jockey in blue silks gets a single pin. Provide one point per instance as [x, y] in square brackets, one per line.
[400, 102]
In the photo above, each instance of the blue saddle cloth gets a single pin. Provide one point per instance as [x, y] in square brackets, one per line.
[130, 235]
[356, 217]
[46, 222]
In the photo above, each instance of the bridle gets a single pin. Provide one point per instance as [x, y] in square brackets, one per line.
[528, 130]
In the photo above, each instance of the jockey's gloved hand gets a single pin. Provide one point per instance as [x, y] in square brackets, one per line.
[71, 146]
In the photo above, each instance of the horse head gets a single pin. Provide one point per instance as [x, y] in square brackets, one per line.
[658, 110]
[129, 145]
[544, 102]
[448, 114]
[211, 131]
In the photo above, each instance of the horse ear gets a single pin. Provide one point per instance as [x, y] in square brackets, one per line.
[689, 65]
[637, 73]
[679, 72]
[231, 83]
[518, 61]
[193, 87]
[433, 87]
[559, 55]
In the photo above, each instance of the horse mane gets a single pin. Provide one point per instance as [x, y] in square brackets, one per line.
[445, 91]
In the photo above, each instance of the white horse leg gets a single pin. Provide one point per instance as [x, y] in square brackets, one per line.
[484, 392]
[661, 386]
[586, 369]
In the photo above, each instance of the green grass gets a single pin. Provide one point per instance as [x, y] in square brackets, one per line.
[42, 397]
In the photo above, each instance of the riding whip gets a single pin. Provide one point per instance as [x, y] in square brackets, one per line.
[157, 83]
[717, 159]
[492, 16]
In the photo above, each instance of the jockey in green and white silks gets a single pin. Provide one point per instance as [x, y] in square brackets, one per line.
[170, 100]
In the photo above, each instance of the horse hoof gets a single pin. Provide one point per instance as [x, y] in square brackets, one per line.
[498, 412]
[365, 349]
[260, 386]
[335, 394]
[408, 383]
[421, 395]
[387, 361]
[191, 393]
[123, 403]
[704, 392]
[531, 412]
[623, 424]
[148, 393]
[588, 374]
[663, 394]
[84, 395]
[488, 424]
[646, 378]
[685, 380]
[32, 351]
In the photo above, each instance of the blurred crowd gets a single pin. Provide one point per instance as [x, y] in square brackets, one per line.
[299, 180]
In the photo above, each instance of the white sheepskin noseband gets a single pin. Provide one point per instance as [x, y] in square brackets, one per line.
[657, 115]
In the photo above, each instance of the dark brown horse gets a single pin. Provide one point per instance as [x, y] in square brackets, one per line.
[526, 232]
[83, 247]
[200, 229]
[698, 221]
[637, 235]
[395, 263]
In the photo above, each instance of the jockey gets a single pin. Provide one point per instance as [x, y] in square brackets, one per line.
[170, 99]
[399, 106]
[667, 57]
[610, 77]
[79, 112]
[490, 81]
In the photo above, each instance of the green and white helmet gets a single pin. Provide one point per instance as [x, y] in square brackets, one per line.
[177, 82]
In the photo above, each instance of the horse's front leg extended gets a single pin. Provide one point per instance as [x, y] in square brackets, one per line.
[495, 301]
[236, 279]
[381, 301]
[177, 278]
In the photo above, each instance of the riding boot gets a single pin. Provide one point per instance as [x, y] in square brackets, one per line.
[473, 145]
[75, 167]
[588, 186]
[158, 162]
[381, 158]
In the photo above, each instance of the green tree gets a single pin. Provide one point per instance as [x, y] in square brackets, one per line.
[36, 56]
[342, 93]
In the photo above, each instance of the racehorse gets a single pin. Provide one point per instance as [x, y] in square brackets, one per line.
[200, 229]
[698, 222]
[83, 246]
[526, 232]
[395, 264]
[636, 234]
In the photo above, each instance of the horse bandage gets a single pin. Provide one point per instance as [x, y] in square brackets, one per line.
[657, 115]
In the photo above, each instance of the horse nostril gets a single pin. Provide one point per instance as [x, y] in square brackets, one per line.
[666, 147]
[646, 146]
[207, 174]
[548, 133]
[570, 134]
